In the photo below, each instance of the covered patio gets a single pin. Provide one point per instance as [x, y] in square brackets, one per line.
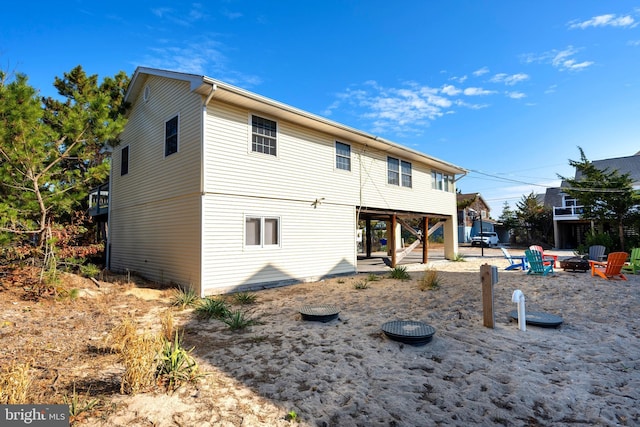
[418, 226]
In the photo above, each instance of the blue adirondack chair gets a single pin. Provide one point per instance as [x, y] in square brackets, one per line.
[596, 253]
[537, 264]
[515, 261]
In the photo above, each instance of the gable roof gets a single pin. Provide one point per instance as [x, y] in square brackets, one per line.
[624, 165]
[211, 88]
[463, 197]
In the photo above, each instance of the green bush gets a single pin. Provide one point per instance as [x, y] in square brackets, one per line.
[213, 308]
[184, 298]
[599, 239]
[238, 320]
[400, 272]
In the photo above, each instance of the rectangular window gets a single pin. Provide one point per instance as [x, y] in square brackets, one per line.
[262, 231]
[171, 136]
[406, 174]
[124, 160]
[393, 171]
[263, 135]
[343, 156]
[442, 181]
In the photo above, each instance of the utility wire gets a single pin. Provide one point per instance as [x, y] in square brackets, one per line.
[586, 190]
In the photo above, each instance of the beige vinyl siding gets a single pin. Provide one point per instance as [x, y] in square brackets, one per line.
[304, 169]
[314, 242]
[159, 240]
[155, 208]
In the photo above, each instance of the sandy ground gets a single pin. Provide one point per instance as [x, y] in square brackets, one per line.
[346, 372]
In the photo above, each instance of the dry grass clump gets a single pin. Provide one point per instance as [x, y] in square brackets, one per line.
[152, 358]
[139, 352]
[430, 280]
[15, 382]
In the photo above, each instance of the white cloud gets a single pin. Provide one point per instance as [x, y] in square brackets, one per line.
[516, 95]
[561, 59]
[608, 20]
[477, 91]
[509, 80]
[450, 90]
[633, 42]
[404, 110]
[184, 19]
[202, 57]
[481, 71]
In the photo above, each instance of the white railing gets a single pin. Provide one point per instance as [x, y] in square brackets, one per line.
[567, 212]
[99, 200]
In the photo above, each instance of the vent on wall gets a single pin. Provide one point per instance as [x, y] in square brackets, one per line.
[146, 93]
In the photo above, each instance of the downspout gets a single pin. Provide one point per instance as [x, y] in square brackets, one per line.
[214, 87]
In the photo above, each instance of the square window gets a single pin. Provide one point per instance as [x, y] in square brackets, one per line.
[124, 160]
[171, 136]
[263, 135]
[262, 231]
[343, 156]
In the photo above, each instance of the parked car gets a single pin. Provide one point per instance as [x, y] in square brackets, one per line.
[486, 238]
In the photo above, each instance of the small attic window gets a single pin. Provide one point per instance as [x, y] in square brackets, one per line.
[146, 93]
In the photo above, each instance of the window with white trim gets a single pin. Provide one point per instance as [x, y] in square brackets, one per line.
[262, 231]
[171, 136]
[405, 168]
[124, 160]
[343, 156]
[442, 181]
[263, 135]
[399, 172]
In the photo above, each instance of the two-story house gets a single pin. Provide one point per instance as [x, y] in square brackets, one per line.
[220, 189]
[569, 228]
[474, 216]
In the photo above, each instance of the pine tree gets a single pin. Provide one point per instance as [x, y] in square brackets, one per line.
[52, 151]
[607, 196]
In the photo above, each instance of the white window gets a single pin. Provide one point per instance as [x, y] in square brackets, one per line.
[393, 171]
[399, 172]
[442, 181]
[262, 231]
[343, 156]
[263, 135]
[406, 174]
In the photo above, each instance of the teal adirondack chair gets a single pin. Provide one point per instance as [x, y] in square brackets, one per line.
[537, 264]
[634, 262]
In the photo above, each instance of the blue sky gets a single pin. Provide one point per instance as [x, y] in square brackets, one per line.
[506, 89]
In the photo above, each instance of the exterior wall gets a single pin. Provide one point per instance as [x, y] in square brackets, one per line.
[155, 208]
[304, 169]
[314, 242]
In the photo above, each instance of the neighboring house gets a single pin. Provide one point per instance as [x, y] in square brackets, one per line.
[473, 212]
[221, 189]
[569, 228]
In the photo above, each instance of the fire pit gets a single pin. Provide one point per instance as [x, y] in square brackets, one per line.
[575, 263]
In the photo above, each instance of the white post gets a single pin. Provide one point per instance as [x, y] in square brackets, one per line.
[518, 297]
